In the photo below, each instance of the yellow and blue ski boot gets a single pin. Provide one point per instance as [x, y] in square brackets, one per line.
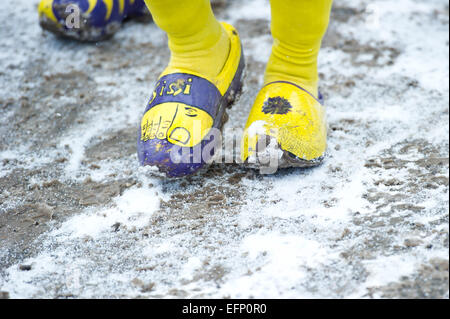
[186, 109]
[88, 20]
[289, 121]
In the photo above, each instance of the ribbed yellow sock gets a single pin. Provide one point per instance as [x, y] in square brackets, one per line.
[298, 27]
[197, 41]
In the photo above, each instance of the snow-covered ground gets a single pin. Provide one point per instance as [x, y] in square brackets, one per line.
[79, 218]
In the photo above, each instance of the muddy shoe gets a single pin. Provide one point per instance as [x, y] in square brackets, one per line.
[88, 20]
[181, 126]
[286, 126]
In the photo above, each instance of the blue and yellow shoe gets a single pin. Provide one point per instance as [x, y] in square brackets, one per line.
[180, 126]
[88, 20]
[288, 121]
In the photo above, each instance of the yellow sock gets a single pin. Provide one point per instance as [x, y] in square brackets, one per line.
[197, 41]
[298, 27]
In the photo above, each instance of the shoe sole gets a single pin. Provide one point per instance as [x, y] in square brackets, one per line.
[232, 95]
